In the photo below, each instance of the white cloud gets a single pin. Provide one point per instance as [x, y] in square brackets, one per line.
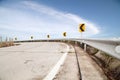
[63, 16]
[38, 18]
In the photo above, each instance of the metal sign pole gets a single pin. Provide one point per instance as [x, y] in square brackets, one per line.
[81, 35]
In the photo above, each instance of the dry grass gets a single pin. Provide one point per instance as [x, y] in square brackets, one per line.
[6, 44]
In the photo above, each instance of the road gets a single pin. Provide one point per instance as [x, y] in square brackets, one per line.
[89, 69]
[29, 61]
[47, 61]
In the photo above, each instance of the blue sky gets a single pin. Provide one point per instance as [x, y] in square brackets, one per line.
[38, 18]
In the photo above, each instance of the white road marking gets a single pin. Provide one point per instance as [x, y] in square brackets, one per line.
[56, 68]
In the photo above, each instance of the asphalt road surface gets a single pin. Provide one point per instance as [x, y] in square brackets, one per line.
[47, 61]
[30, 61]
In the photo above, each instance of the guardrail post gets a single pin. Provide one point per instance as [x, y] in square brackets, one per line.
[84, 47]
[75, 42]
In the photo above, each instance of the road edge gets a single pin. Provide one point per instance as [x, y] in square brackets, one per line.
[56, 68]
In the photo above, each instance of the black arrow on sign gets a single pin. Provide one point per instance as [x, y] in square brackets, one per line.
[64, 34]
[81, 27]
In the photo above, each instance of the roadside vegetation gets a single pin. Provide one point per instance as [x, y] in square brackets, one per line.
[7, 42]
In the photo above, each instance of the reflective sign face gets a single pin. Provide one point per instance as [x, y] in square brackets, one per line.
[15, 38]
[31, 37]
[64, 34]
[81, 27]
[48, 36]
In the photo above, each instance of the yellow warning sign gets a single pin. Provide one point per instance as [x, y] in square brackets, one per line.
[15, 38]
[48, 36]
[82, 28]
[64, 34]
[31, 37]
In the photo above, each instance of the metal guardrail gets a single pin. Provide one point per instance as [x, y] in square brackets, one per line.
[109, 46]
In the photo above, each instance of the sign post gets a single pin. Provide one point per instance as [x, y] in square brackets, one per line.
[31, 38]
[48, 36]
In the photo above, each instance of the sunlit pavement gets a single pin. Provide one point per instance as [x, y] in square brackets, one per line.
[29, 61]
